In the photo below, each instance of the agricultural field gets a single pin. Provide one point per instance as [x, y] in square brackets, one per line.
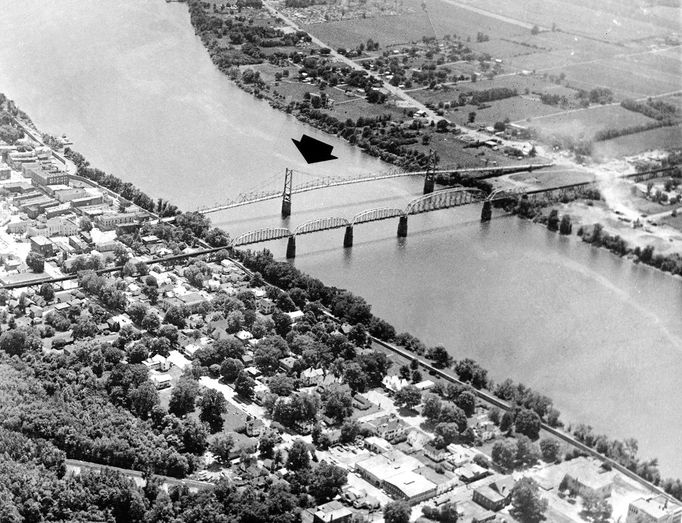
[573, 18]
[662, 138]
[359, 108]
[387, 30]
[554, 177]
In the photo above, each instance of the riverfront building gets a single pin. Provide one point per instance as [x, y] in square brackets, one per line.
[657, 509]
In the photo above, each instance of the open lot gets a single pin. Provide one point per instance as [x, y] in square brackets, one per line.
[661, 138]
[586, 122]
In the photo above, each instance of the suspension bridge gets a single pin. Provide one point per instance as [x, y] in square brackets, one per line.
[311, 184]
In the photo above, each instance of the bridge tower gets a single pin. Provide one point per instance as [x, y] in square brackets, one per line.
[430, 179]
[286, 193]
[402, 227]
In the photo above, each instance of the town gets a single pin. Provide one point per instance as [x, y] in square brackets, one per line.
[142, 344]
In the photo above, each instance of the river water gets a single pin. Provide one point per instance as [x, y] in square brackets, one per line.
[129, 82]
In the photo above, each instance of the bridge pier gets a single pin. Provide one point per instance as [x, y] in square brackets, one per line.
[291, 247]
[286, 208]
[429, 183]
[486, 211]
[402, 227]
[348, 237]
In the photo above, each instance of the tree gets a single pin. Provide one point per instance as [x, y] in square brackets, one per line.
[440, 356]
[566, 227]
[355, 377]
[507, 421]
[596, 508]
[230, 369]
[397, 512]
[528, 423]
[143, 399]
[84, 328]
[221, 447]
[213, 406]
[504, 453]
[472, 114]
[244, 385]
[526, 451]
[338, 403]
[431, 406]
[349, 431]
[299, 456]
[451, 413]
[266, 357]
[467, 402]
[553, 220]
[183, 397]
[527, 505]
[409, 397]
[326, 481]
[471, 372]
[266, 444]
[176, 316]
[535, 30]
[550, 449]
[442, 125]
[35, 262]
[447, 433]
[151, 322]
[47, 292]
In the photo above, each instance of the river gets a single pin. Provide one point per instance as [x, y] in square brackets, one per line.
[129, 82]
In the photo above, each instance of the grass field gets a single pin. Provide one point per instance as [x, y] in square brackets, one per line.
[585, 123]
[661, 138]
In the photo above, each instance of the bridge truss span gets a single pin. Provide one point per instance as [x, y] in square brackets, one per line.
[261, 235]
[444, 200]
[321, 224]
[374, 215]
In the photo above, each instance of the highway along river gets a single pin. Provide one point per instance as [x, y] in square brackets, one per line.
[133, 87]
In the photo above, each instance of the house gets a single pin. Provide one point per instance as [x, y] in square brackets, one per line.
[360, 402]
[495, 495]
[389, 427]
[190, 350]
[244, 336]
[587, 478]
[295, 316]
[287, 364]
[332, 512]
[266, 306]
[435, 453]
[157, 362]
[655, 509]
[310, 377]
[255, 427]
[161, 381]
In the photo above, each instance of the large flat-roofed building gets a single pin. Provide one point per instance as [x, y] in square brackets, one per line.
[655, 509]
[111, 220]
[41, 176]
[410, 486]
[377, 468]
[586, 477]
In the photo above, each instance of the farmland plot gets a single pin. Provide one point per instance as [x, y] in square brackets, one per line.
[662, 138]
[584, 123]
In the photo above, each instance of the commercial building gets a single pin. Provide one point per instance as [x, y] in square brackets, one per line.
[42, 246]
[42, 177]
[332, 512]
[380, 467]
[61, 227]
[410, 486]
[656, 509]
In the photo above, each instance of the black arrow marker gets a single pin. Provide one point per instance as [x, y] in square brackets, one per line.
[314, 150]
